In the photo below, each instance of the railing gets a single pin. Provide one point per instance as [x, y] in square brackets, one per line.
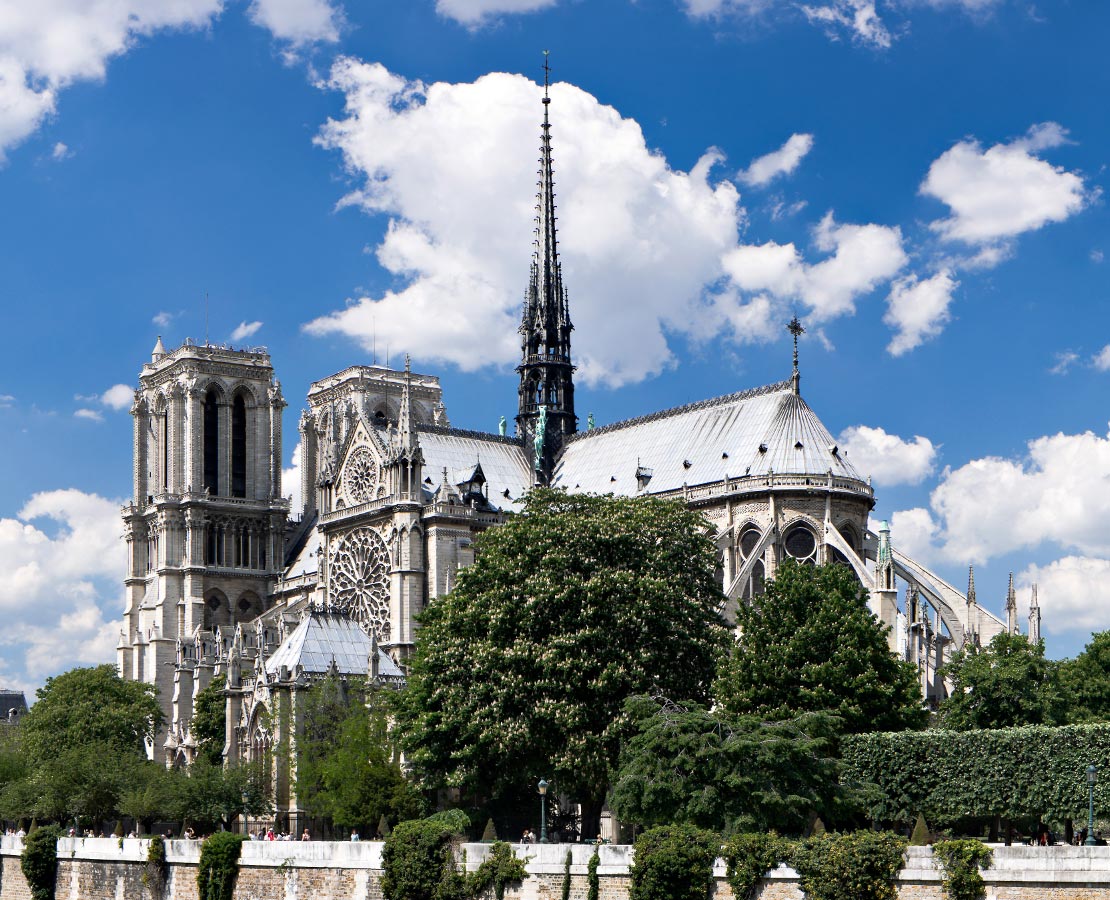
[762, 483]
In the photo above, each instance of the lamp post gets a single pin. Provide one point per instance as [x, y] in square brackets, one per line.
[543, 811]
[1092, 777]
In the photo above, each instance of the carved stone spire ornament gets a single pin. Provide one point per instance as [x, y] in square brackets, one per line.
[1011, 608]
[546, 372]
[796, 329]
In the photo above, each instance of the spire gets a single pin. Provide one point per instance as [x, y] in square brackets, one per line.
[1034, 617]
[159, 350]
[970, 585]
[796, 329]
[546, 371]
[1011, 608]
[404, 417]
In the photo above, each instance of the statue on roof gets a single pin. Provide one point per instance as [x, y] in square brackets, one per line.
[541, 433]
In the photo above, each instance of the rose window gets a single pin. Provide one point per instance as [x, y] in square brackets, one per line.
[359, 580]
[360, 476]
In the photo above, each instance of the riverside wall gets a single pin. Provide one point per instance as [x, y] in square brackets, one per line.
[103, 869]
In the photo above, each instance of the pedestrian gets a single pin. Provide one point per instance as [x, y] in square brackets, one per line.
[354, 836]
[304, 835]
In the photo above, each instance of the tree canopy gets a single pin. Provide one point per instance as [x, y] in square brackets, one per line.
[209, 721]
[811, 644]
[570, 608]
[1085, 682]
[1006, 684]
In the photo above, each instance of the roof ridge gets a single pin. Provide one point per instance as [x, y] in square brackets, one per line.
[465, 432]
[678, 410]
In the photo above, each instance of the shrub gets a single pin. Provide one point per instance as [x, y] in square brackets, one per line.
[156, 869]
[592, 880]
[490, 831]
[749, 858]
[498, 869]
[418, 862]
[383, 827]
[960, 862]
[455, 820]
[673, 862]
[219, 866]
[860, 865]
[921, 835]
[566, 875]
[39, 861]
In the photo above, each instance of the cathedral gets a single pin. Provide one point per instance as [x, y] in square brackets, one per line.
[223, 581]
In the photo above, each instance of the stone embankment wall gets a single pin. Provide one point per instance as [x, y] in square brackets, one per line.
[101, 869]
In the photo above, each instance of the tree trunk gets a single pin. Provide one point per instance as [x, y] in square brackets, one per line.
[591, 820]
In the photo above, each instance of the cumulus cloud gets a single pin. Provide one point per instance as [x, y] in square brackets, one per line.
[1073, 592]
[291, 482]
[715, 8]
[1004, 191]
[6, 401]
[477, 12]
[61, 151]
[91, 415]
[1101, 360]
[1063, 361]
[858, 17]
[887, 458]
[118, 396]
[162, 319]
[61, 560]
[917, 310]
[779, 162]
[299, 22]
[245, 330]
[914, 532]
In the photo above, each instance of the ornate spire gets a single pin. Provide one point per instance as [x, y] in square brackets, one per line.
[1011, 608]
[970, 585]
[546, 371]
[796, 329]
[404, 417]
[1034, 617]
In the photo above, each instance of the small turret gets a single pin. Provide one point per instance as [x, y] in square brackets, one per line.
[159, 350]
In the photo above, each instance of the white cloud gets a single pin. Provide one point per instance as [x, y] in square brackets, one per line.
[162, 319]
[245, 330]
[1004, 191]
[1063, 361]
[779, 162]
[1097, 256]
[291, 482]
[714, 8]
[1101, 359]
[917, 310]
[56, 583]
[298, 21]
[1073, 592]
[858, 17]
[887, 458]
[60, 152]
[914, 532]
[639, 241]
[478, 12]
[118, 396]
[6, 400]
[91, 415]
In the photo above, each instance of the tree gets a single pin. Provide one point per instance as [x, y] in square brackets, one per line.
[208, 724]
[1085, 682]
[1003, 685]
[810, 644]
[216, 794]
[92, 706]
[686, 764]
[569, 609]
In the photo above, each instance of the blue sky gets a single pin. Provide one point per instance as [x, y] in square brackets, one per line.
[920, 180]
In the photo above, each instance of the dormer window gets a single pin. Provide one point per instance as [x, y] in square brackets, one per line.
[797, 445]
[762, 448]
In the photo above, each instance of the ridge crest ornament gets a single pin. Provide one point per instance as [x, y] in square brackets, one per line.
[359, 580]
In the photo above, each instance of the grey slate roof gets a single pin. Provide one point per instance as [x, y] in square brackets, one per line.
[12, 704]
[324, 636]
[502, 460]
[703, 442]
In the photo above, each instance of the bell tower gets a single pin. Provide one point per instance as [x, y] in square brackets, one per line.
[546, 395]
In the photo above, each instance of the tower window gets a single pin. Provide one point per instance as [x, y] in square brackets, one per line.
[239, 447]
[212, 442]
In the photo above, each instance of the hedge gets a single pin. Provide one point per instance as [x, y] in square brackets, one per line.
[949, 776]
[673, 862]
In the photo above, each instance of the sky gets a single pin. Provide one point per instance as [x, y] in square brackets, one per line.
[920, 181]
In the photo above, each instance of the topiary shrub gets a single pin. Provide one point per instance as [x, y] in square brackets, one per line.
[383, 827]
[673, 862]
[219, 866]
[490, 831]
[419, 864]
[592, 881]
[157, 869]
[960, 862]
[921, 836]
[118, 830]
[749, 857]
[566, 875]
[860, 865]
[498, 869]
[39, 861]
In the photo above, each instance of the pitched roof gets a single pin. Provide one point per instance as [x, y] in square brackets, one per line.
[502, 460]
[325, 636]
[748, 433]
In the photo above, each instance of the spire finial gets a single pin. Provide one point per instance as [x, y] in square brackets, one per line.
[796, 329]
[970, 585]
[546, 76]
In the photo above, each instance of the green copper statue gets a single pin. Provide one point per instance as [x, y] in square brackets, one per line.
[541, 433]
[502, 426]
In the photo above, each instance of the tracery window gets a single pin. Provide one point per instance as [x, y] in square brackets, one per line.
[359, 579]
[212, 441]
[360, 476]
[749, 540]
[801, 545]
[239, 447]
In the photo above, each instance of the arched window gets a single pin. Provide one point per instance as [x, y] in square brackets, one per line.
[238, 447]
[801, 545]
[212, 442]
[749, 540]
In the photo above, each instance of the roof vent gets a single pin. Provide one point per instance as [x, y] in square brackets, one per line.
[834, 450]
[724, 455]
[686, 464]
[612, 478]
[762, 448]
[427, 480]
[797, 445]
[505, 493]
[643, 476]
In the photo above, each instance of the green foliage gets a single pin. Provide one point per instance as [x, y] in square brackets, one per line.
[150, 791]
[499, 869]
[570, 608]
[383, 827]
[749, 857]
[960, 861]
[921, 836]
[673, 862]
[950, 776]
[566, 875]
[457, 821]
[1006, 684]
[859, 865]
[592, 881]
[157, 870]
[347, 768]
[1085, 682]
[216, 794]
[39, 861]
[219, 866]
[812, 645]
[419, 864]
[208, 726]
[489, 833]
[685, 764]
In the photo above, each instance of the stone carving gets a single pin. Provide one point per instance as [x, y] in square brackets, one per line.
[360, 476]
[359, 579]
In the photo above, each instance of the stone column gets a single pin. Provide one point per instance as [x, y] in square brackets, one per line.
[277, 404]
[194, 429]
[307, 486]
[175, 437]
[141, 414]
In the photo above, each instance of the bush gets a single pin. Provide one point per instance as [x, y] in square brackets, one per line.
[39, 861]
[455, 820]
[960, 862]
[591, 876]
[219, 866]
[156, 870]
[861, 865]
[673, 862]
[418, 861]
[921, 835]
[383, 827]
[566, 875]
[490, 832]
[497, 870]
[749, 857]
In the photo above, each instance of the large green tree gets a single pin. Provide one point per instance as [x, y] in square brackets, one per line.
[1006, 684]
[1085, 682]
[810, 644]
[209, 721]
[572, 607]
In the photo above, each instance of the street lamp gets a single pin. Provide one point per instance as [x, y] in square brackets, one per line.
[543, 811]
[1092, 777]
